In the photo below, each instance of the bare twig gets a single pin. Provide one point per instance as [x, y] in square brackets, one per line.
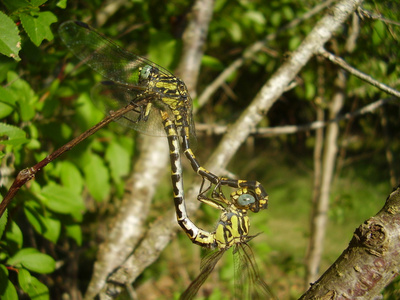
[291, 129]
[343, 64]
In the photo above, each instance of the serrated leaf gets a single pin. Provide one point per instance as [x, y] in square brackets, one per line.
[10, 41]
[32, 259]
[33, 287]
[97, 177]
[15, 136]
[37, 25]
[62, 200]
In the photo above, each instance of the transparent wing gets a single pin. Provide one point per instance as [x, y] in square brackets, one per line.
[110, 96]
[207, 266]
[248, 283]
[103, 55]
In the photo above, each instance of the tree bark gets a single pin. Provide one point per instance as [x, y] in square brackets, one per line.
[370, 262]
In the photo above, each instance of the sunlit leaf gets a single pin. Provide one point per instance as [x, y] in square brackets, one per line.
[10, 41]
[33, 260]
[32, 286]
[97, 177]
[37, 25]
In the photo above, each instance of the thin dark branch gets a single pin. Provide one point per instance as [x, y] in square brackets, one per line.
[343, 64]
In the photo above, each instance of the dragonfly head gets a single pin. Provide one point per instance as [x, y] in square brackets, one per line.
[248, 199]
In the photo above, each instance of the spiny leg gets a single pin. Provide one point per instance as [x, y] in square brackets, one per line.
[259, 191]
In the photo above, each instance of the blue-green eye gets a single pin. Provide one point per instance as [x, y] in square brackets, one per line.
[246, 199]
[145, 72]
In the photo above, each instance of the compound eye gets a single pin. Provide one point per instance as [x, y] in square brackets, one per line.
[245, 200]
[145, 72]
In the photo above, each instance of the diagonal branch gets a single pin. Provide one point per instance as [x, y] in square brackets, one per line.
[343, 64]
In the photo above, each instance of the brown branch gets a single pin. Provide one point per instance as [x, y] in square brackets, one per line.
[370, 262]
[29, 173]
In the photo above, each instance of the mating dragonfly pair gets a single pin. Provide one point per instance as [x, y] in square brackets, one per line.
[160, 98]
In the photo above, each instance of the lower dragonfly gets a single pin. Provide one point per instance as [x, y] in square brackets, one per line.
[232, 228]
[135, 80]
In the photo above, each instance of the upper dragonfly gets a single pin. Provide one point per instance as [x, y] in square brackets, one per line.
[154, 90]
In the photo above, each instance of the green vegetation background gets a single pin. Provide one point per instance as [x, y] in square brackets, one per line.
[45, 102]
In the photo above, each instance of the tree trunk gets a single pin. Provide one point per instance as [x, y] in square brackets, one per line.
[321, 207]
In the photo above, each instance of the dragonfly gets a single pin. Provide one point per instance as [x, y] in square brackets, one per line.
[154, 91]
[232, 229]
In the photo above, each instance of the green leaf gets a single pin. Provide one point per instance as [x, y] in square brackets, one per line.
[7, 102]
[14, 236]
[37, 3]
[97, 177]
[49, 227]
[15, 136]
[119, 160]
[37, 25]
[62, 200]
[32, 259]
[62, 4]
[212, 62]
[7, 289]
[14, 5]
[25, 96]
[71, 177]
[3, 222]
[74, 231]
[162, 48]
[10, 41]
[33, 287]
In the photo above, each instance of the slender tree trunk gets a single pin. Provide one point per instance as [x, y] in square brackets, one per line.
[319, 141]
[321, 207]
[388, 151]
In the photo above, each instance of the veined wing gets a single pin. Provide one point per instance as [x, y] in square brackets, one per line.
[103, 55]
[111, 96]
[207, 266]
[248, 283]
